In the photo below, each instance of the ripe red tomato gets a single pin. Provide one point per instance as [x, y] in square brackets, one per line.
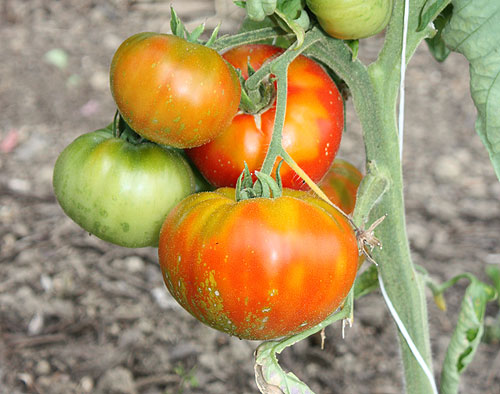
[311, 134]
[259, 268]
[172, 91]
[341, 184]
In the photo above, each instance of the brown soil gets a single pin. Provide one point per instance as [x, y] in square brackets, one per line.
[78, 315]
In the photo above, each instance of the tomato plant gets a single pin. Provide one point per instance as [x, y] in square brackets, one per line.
[311, 133]
[172, 91]
[352, 19]
[118, 190]
[263, 262]
[341, 184]
[259, 268]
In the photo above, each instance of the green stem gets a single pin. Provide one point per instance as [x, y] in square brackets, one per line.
[250, 37]
[279, 68]
[375, 91]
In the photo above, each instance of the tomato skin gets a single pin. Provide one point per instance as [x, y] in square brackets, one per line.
[311, 134]
[260, 268]
[352, 19]
[171, 91]
[118, 191]
[341, 184]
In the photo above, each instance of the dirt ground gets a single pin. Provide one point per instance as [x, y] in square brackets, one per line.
[78, 315]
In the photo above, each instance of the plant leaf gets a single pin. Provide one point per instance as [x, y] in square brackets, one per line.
[467, 335]
[493, 272]
[436, 44]
[366, 282]
[473, 31]
[269, 376]
[430, 11]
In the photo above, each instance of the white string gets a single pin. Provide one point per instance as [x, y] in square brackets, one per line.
[392, 310]
[402, 80]
[407, 337]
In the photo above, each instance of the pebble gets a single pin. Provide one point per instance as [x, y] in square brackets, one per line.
[448, 168]
[419, 235]
[19, 185]
[134, 264]
[118, 380]
[100, 80]
[163, 298]
[42, 368]
[87, 384]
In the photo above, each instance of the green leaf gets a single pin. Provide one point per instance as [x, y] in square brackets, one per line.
[436, 44]
[366, 282]
[474, 31]
[269, 376]
[430, 11]
[494, 273]
[467, 335]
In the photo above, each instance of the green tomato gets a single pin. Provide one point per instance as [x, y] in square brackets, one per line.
[120, 191]
[352, 19]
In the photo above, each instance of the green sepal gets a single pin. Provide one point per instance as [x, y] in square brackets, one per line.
[179, 30]
[244, 185]
[120, 129]
[213, 36]
[265, 186]
[256, 99]
[176, 24]
[278, 176]
[268, 185]
[196, 33]
[354, 46]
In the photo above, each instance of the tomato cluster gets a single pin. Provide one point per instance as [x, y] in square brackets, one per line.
[256, 268]
[311, 133]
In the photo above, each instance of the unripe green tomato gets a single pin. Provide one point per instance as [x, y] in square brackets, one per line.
[352, 19]
[119, 191]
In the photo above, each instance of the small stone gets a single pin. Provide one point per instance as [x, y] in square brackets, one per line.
[99, 80]
[134, 264]
[448, 168]
[87, 384]
[118, 380]
[42, 368]
[19, 185]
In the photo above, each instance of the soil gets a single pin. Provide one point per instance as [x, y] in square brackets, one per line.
[78, 315]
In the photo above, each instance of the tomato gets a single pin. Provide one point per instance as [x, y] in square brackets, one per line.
[341, 184]
[259, 268]
[172, 91]
[119, 191]
[311, 134]
[352, 19]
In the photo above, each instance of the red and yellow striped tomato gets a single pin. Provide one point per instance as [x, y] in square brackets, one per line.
[259, 268]
[341, 184]
[311, 134]
[171, 91]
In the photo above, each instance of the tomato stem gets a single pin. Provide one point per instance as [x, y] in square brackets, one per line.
[279, 68]
[315, 188]
[248, 37]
